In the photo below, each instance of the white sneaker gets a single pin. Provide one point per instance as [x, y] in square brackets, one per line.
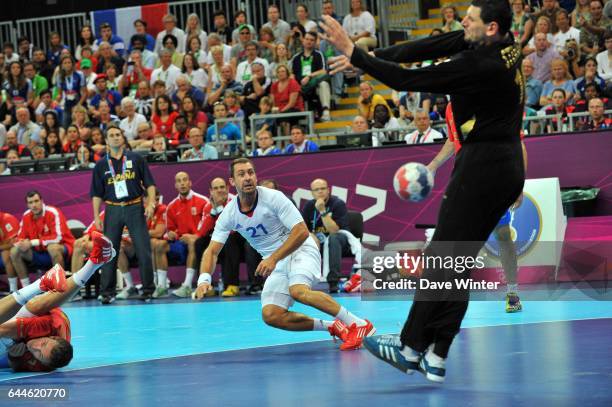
[325, 117]
[183, 292]
[160, 292]
[126, 293]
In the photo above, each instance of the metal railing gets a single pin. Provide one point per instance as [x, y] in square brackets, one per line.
[227, 145]
[205, 9]
[536, 125]
[7, 34]
[38, 29]
[309, 115]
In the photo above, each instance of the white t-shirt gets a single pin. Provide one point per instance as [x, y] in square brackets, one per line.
[168, 76]
[429, 136]
[130, 128]
[198, 78]
[243, 72]
[559, 38]
[180, 37]
[356, 25]
[604, 65]
[269, 225]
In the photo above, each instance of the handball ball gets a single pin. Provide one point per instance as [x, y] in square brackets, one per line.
[413, 182]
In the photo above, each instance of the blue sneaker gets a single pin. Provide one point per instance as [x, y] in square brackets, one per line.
[433, 370]
[388, 349]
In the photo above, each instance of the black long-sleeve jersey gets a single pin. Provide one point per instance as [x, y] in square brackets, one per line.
[485, 82]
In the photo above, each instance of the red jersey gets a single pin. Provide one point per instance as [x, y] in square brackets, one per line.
[50, 227]
[159, 217]
[9, 226]
[183, 215]
[208, 221]
[92, 226]
[55, 323]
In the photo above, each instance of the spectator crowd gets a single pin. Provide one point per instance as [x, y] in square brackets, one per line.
[188, 93]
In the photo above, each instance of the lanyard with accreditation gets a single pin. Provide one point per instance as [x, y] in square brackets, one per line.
[120, 186]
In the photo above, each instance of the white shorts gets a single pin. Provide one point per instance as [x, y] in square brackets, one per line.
[301, 267]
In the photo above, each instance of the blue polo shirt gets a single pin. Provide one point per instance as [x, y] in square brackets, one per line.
[137, 176]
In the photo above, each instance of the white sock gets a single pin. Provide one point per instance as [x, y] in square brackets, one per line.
[410, 354]
[189, 274]
[349, 318]
[127, 277]
[25, 281]
[80, 277]
[433, 359]
[162, 278]
[13, 284]
[321, 324]
[27, 293]
[512, 288]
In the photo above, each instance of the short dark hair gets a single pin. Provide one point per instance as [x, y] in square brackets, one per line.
[594, 86]
[171, 38]
[22, 39]
[61, 354]
[138, 38]
[298, 127]
[105, 25]
[241, 160]
[141, 21]
[32, 193]
[44, 92]
[312, 34]
[181, 117]
[238, 13]
[495, 10]
[9, 45]
[112, 127]
[219, 12]
[559, 90]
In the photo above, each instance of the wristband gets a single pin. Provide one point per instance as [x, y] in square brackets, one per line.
[204, 278]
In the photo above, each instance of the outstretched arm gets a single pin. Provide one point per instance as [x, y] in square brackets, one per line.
[435, 47]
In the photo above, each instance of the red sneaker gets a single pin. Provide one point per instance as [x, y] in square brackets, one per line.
[338, 330]
[356, 334]
[102, 251]
[54, 280]
[354, 284]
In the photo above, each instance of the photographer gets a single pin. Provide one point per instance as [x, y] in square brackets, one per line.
[575, 59]
[133, 73]
[294, 41]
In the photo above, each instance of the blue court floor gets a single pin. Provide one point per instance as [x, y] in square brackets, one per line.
[221, 353]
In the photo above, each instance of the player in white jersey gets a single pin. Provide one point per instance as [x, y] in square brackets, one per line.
[274, 227]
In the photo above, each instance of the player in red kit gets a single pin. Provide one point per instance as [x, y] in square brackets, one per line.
[183, 216]
[38, 329]
[9, 227]
[44, 238]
